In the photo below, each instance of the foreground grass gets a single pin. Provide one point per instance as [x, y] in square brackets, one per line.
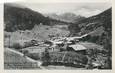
[15, 61]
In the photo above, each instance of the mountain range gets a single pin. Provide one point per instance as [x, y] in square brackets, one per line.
[23, 18]
[66, 17]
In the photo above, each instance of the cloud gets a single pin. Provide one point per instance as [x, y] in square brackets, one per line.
[87, 12]
[84, 9]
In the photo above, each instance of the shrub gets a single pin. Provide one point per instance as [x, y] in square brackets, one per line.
[16, 46]
[34, 56]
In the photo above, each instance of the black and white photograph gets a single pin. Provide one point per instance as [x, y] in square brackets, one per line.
[58, 36]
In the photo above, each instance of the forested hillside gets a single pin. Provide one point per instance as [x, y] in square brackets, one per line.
[99, 28]
[22, 18]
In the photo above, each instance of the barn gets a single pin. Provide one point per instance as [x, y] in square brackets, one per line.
[83, 48]
[77, 48]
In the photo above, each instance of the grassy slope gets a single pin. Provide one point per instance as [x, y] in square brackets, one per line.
[40, 32]
[15, 61]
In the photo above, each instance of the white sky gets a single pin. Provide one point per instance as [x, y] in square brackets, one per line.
[84, 8]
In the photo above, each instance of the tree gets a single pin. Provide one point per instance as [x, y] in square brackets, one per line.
[46, 57]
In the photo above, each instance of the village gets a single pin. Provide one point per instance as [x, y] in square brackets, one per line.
[66, 51]
[57, 49]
